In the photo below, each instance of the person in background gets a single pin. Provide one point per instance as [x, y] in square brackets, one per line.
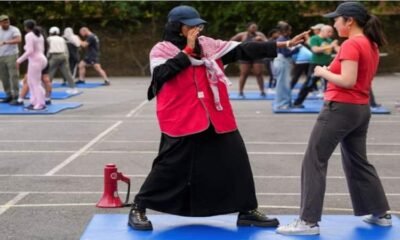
[322, 47]
[34, 53]
[73, 44]
[45, 78]
[283, 67]
[344, 119]
[92, 56]
[272, 35]
[10, 37]
[301, 65]
[58, 58]
[252, 34]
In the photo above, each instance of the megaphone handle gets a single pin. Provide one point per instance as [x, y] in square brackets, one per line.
[127, 194]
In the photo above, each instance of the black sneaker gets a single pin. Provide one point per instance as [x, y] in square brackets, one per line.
[64, 84]
[30, 107]
[263, 95]
[137, 219]
[6, 100]
[106, 83]
[256, 218]
[80, 82]
[48, 102]
[15, 102]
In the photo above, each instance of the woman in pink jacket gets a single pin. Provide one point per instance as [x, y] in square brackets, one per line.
[34, 49]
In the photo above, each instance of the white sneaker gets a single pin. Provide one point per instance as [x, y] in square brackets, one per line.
[384, 221]
[298, 227]
[72, 91]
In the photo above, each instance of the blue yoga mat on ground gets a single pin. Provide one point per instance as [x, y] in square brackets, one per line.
[62, 95]
[7, 109]
[80, 85]
[316, 105]
[168, 227]
[54, 95]
[255, 95]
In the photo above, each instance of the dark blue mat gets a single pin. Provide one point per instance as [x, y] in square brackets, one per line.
[316, 105]
[168, 227]
[6, 109]
[255, 95]
[81, 85]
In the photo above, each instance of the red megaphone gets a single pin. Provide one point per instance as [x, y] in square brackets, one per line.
[110, 198]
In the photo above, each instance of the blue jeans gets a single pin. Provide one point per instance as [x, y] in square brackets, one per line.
[283, 67]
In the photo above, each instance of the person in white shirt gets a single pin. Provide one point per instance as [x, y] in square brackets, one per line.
[73, 44]
[10, 37]
[58, 58]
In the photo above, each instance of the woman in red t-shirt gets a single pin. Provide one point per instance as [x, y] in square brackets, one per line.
[344, 119]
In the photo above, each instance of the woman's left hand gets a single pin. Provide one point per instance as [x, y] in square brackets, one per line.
[319, 71]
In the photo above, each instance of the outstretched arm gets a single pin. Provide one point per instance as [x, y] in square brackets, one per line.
[258, 50]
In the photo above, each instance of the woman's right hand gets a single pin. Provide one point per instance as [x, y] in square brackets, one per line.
[193, 34]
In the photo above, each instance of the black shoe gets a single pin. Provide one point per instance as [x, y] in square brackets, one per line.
[256, 218]
[64, 84]
[48, 102]
[6, 100]
[80, 82]
[106, 83]
[138, 220]
[30, 107]
[15, 102]
[263, 95]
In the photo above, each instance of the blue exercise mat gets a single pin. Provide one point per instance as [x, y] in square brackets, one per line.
[316, 105]
[253, 95]
[80, 85]
[54, 95]
[7, 109]
[169, 227]
[62, 95]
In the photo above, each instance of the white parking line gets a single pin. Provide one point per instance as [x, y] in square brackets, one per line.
[134, 111]
[91, 143]
[260, 206]
[133, 193]
[12, 202]
[83, 149]
[144, 176]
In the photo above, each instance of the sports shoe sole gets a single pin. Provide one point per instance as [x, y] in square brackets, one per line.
[298, 233]
[140, 227]
[377, 224]
[249, 223]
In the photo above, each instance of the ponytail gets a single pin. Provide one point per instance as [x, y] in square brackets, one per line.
[36, 31]
[373, 30]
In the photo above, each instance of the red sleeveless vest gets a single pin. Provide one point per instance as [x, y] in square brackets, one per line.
[185, 104]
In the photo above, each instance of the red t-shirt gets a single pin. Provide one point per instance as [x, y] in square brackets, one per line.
[361, 50]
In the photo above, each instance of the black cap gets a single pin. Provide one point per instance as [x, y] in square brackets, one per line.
[349, 9]
[186, 15]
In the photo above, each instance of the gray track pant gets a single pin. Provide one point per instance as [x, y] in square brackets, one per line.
[346, 124]
[9, 75]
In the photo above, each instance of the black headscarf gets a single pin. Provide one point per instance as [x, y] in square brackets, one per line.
[172, 33]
